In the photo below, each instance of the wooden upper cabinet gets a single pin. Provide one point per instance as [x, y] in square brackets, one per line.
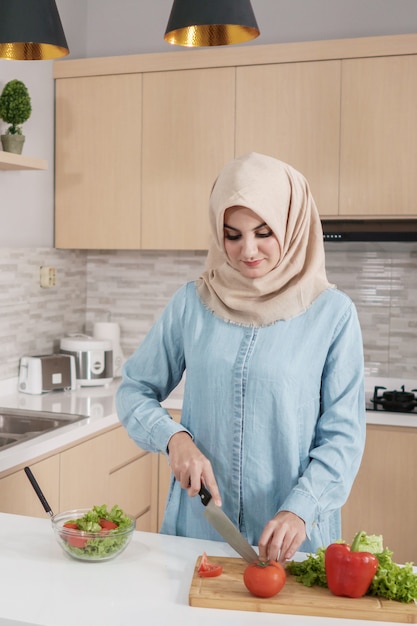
[140, 139]
[98, 162]
[378, 136]
[188, 136]
[292, 111]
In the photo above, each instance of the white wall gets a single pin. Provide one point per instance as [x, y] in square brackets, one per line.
[27, 197]
[74, 19]
[114, 27]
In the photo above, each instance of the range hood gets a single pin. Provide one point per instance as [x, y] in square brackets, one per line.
[369, 230]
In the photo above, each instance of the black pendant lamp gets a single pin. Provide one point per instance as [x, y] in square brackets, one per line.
[201, 23]
[31, 30]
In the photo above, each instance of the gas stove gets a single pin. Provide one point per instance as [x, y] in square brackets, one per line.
[391, 395]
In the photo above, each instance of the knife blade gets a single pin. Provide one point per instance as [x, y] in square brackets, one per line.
[224, 526]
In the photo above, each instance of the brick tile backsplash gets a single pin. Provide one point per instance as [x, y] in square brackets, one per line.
[132, 287]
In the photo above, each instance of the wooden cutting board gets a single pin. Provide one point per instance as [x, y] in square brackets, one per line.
[229, 592]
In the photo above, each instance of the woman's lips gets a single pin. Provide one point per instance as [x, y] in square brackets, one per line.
[252, 263]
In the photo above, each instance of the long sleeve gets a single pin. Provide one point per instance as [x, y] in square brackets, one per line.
[149, 376]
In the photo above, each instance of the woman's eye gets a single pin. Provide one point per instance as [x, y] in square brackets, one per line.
[264, 233]
[232, 236]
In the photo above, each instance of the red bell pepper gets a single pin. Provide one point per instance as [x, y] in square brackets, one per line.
[349, 572]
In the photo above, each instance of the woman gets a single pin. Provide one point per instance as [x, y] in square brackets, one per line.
[273, 417]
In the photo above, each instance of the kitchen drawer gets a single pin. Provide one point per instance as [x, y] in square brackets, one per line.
[131, 486]
[144, 523]
[84, 473]
[122, 448]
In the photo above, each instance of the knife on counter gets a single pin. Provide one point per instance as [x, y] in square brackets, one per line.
[220, 522]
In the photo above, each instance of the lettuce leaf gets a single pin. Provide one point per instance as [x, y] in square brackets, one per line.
[370, 543]
[393, 581]
[311, 571]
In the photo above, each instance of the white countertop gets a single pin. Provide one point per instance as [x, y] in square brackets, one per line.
[386, 418]
[98, 406]
[96, 403]
[147, 584]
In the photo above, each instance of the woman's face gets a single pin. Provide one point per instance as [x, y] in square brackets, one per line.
[250, 244]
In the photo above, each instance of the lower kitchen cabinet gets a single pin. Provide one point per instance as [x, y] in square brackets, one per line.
[383, 500]
[18, 496]
[108, 468]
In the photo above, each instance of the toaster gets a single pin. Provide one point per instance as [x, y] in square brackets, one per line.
[48, 372]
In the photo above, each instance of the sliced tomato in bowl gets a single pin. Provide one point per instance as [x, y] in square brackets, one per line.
[206, 569]
[107, 524]
[74, 540]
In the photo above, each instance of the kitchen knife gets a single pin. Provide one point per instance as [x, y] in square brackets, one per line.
[219, 520]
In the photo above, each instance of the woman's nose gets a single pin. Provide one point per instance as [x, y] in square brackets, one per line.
[249, 247]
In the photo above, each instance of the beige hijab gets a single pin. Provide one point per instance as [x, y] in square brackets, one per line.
[281, 197]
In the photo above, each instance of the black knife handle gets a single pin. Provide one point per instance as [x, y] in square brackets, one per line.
[205, 495]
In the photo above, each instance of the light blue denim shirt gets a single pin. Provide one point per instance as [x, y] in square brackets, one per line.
[279, 411]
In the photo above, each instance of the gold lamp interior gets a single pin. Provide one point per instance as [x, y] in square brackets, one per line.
[200, 23]
[31, 30]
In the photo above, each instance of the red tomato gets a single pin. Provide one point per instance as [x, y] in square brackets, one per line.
[207, 569]
[77, 542]
[74, 540]
[107, 524]
[264, 579]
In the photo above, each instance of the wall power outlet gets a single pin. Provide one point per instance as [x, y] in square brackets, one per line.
[47, 277]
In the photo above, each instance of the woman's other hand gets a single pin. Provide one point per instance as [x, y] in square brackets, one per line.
[281, 537]
[190, 467]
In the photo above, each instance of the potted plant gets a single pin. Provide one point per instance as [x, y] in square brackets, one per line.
[15, 109]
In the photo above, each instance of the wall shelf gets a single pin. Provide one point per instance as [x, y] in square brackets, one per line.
[11, 161]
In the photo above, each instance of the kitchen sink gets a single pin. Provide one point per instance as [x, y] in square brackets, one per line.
[18, 425]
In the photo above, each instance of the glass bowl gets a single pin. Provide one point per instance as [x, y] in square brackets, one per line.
[88, 546]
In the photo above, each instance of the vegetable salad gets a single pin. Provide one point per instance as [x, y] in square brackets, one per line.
[111, 530]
